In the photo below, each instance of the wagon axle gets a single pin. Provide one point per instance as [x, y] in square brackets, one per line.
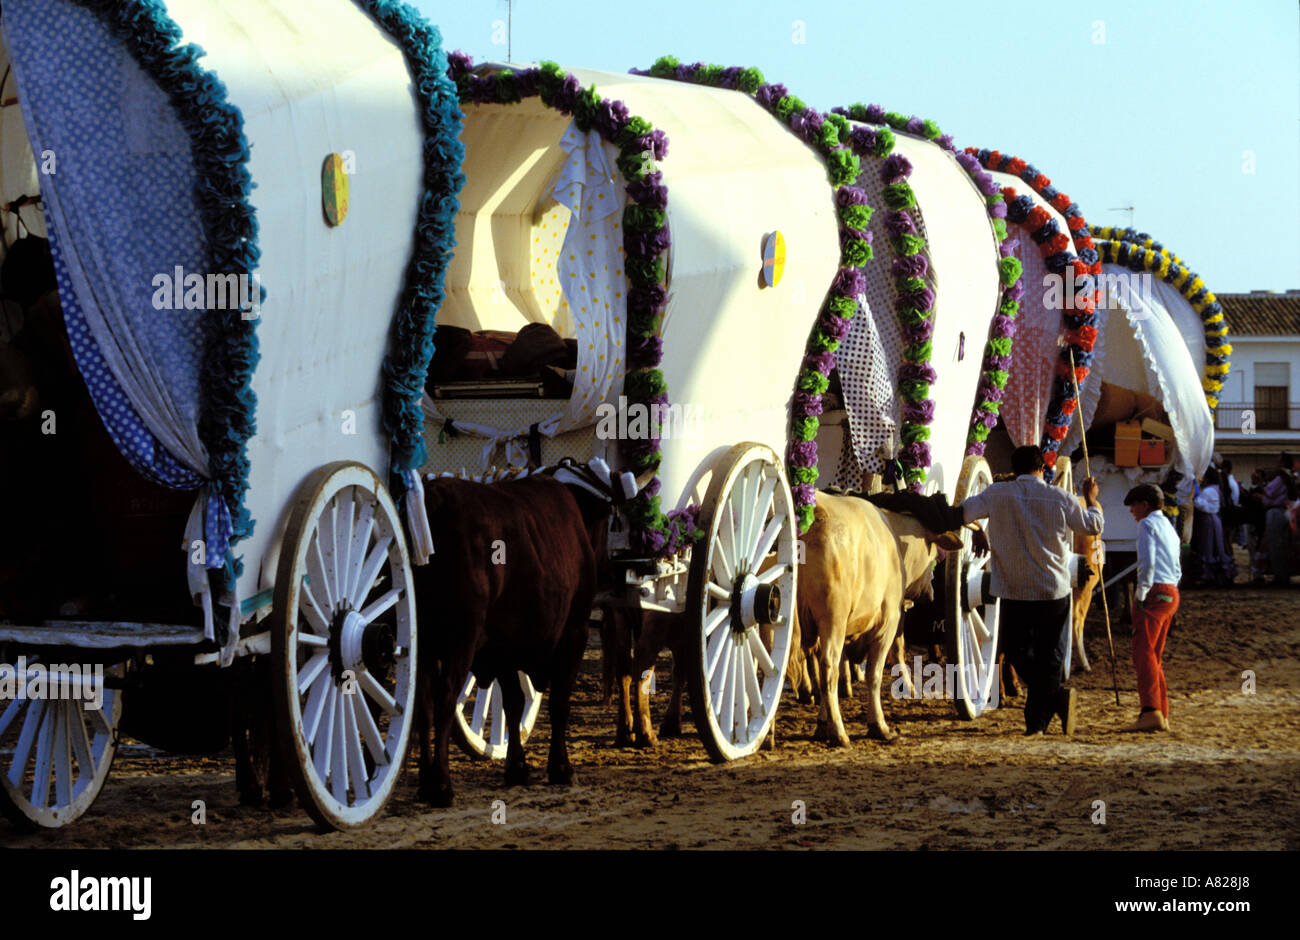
[753, 602]
[356, 645]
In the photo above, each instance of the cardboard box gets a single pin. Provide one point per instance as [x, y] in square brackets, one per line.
[1157, 429]
[1151, 453]
[1126, 453]
[1128, 431]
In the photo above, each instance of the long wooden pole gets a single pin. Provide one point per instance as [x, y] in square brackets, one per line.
[1087, 469]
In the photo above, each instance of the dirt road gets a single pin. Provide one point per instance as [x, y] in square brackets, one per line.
[1224, 778]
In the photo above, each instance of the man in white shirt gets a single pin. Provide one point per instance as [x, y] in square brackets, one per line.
[1029, 534]
[1156, 602]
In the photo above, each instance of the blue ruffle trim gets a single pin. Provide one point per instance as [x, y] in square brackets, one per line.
[411, 335]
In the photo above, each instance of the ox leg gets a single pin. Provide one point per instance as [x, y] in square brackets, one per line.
[512, 702]
[1082, 602]
[878, 644]
[615, 643]
[831, 722]
[568, 657]
[440, 691]
[671, 726]
[644, 734]
[900, 656]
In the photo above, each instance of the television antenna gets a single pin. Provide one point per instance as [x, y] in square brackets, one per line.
[1129, 209]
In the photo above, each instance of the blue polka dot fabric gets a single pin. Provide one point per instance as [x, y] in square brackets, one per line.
[124, 228]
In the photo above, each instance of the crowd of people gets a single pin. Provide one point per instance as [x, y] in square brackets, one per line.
[1263, 518]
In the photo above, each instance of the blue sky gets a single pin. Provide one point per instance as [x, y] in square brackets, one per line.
[1187, 111]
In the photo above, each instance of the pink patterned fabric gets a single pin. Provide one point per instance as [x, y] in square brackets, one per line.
[1035, 349]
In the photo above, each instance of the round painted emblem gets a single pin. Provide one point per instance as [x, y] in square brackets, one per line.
[334, 189]
[773, 259]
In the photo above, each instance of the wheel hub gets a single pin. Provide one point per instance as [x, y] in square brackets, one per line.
[357, 645]
[753, 603]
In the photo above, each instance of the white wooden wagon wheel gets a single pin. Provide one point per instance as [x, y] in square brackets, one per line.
[742, 587]
[1064, 478]
[344, 645]
[971, 620]
[480, 725]
[55, 753]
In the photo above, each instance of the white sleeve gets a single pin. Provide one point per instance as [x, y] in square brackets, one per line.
[1146, 573]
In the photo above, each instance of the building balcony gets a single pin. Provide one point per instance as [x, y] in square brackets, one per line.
[1245, 416]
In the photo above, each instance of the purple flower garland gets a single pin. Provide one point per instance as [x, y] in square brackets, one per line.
[914, 307]
[645, 243]
[829, 135]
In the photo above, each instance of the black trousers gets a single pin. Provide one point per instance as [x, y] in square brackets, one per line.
[1035, 637]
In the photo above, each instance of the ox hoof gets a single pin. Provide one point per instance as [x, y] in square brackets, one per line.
[517, 776]
[804, 697]
[671, 729]
[622, 737]
[561, 776]
[281, 798]
[439, 796]
[644, 740]
[875, 733]
[252, 797]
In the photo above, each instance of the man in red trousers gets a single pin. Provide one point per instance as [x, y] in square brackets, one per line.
[1155, 604]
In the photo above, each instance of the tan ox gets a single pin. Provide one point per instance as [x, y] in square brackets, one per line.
[861, 563]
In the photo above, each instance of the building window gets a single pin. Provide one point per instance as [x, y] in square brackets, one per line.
[1272, 394]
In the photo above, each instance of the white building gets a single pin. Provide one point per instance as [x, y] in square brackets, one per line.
[1259, 407]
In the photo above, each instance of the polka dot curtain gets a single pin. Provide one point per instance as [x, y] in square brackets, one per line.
[589, 270]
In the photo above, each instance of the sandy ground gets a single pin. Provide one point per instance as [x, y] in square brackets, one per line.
[1224, 778]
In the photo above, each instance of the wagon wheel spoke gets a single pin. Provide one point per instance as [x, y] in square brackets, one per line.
[369, 730]
[325, 742]
[770, 534]
[762, 533]
[343, 522]
[63, 754]
[481, 705]
[338, 754]
[356, 756]
[9, 714]
[318, 698]
[760, 653]
[721, 671]
[717, 617]
[387, 600]
[315, 666]
[31, 728]
[81, 747]
[361, 533]
[717, 591]
[370, 571]
[723, 571]
[727, 700]
[498, 721]
[774, 573]
[377, 692]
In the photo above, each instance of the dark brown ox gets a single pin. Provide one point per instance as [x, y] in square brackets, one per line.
[508, 588]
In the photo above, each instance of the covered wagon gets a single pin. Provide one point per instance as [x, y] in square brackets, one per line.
[246, 274]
